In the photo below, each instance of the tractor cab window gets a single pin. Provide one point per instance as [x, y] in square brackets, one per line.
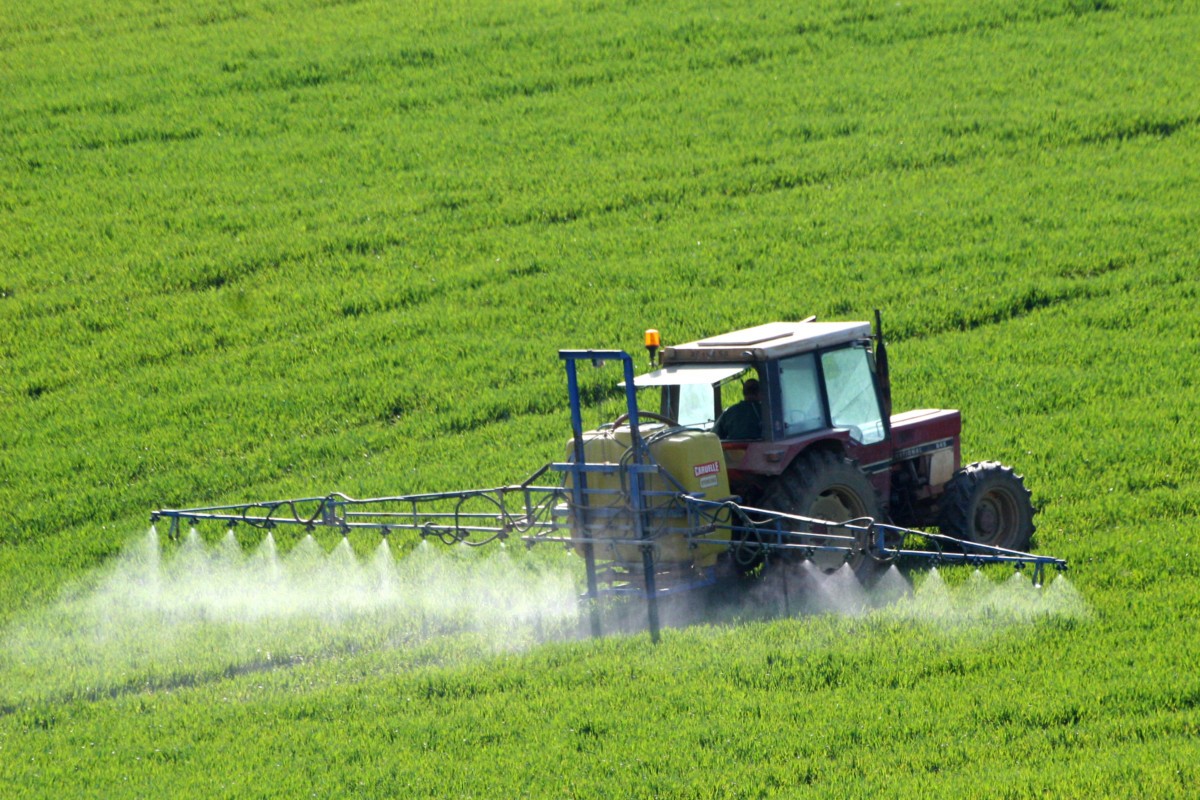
[853, 403]
[702, 404]
[802, 411]
[731, 390]
[742, 413]
[696, 394]
[696, 405]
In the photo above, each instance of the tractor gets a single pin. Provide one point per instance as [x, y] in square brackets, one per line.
[826, 444]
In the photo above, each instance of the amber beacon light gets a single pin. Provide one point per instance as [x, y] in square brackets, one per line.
[652, 344]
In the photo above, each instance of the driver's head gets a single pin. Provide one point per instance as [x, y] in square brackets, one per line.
[750, 389]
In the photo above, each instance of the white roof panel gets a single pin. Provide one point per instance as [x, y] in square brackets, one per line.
[756, 335]
[772, 340]
[688, 374]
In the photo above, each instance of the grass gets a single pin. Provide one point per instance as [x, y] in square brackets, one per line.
[270, 249]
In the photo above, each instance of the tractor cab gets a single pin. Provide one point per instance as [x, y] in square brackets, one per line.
[815, 375]
[823, 388]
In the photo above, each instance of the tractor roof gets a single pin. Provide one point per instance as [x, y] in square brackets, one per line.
[766, 342]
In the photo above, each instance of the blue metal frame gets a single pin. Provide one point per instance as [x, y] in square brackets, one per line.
[579, 468]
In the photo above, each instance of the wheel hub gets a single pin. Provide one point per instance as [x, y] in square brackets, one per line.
[995, 516]
[832, 507]
[986, 519]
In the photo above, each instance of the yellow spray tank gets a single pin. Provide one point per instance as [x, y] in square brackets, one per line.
[690, 461]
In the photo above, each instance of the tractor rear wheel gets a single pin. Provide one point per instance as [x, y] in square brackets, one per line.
[988, 503]
[825, 485]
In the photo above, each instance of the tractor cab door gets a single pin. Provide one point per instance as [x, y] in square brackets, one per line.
[854, 401]
[837, 389]
[831, 389]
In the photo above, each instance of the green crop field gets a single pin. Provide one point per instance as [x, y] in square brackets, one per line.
[254, 249]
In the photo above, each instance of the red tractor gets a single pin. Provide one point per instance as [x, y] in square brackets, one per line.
[815, 435]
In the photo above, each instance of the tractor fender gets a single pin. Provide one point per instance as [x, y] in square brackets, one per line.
[773, 458]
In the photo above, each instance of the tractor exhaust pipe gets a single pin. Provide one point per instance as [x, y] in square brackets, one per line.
[881, 367]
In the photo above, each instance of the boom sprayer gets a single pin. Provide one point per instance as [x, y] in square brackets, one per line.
[658, 503]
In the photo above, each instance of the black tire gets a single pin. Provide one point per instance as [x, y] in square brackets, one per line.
[988, 503]
[825, 485]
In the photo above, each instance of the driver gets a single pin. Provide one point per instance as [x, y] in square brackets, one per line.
[742, 420]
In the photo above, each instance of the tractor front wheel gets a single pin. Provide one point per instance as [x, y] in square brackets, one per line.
[988, 503]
